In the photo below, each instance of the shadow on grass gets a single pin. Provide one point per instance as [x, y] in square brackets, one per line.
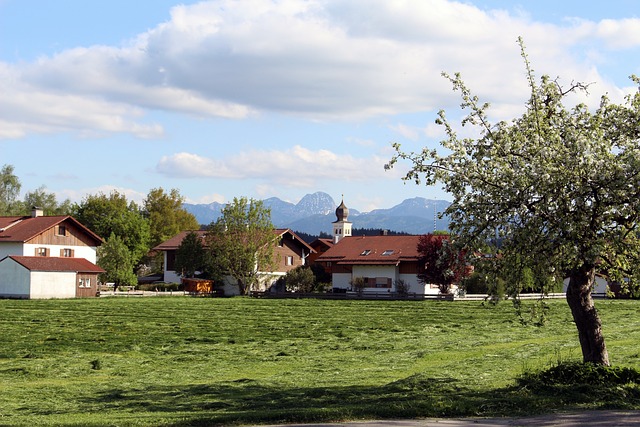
[247, 402]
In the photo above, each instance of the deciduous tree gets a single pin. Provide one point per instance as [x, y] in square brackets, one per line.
[190, 255]
[115, 258]
[9, 191]
[166, 215]
[560, 187]
[445, 265]
[113, 214]
[241, 242]
[41, 198]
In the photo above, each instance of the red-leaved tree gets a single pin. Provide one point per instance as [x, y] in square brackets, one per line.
[444, 265]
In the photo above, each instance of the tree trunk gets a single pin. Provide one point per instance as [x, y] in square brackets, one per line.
[585, 315]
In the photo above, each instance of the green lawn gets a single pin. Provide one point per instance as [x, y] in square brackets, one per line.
[181, 361]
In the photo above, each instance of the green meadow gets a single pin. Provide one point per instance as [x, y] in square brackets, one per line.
[181, 361]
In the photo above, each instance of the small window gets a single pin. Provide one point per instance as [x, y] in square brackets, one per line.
[84, 283]
[66, 252]
[289, 260]
[365, 252]
[42, 252]
[387, 252]
[62, 230]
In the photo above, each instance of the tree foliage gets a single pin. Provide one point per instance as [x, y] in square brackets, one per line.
[560, 187]
[445, 265]
[190, 255]
[115, 258]
[113, 214]
[300, 279]
[9, 191]
[241, 243]
[41, 198]
[166, 215]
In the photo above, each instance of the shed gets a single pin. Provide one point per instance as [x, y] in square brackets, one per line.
[34, 277]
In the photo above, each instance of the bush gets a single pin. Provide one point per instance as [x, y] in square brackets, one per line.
[575, 374]
[300, 279]
[584, 383]
[358, 284]
[402, 288]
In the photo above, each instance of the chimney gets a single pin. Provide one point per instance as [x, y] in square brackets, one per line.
[384, 232]
[36, 212]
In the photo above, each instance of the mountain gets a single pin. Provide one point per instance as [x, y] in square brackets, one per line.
[315, 213]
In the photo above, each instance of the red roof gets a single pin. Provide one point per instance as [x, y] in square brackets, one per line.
[372, 250]
[56, 264]
[24, 228]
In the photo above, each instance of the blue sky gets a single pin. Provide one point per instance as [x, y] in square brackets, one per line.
[258, 98]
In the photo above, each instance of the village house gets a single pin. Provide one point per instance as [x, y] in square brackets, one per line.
[290, 252]
[47, 257]
[382, 261]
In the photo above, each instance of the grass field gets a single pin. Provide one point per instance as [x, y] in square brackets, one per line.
[196, 361]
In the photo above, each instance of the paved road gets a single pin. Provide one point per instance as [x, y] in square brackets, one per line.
[588, 418]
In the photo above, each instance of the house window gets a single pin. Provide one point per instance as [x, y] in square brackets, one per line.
[42, 252]
[383, 282]
[288, 260]
[84, 283]
[62, 230]
[66, 252]
[387, 252]
[365, 252]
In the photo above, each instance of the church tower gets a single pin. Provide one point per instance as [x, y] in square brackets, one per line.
[341, 227]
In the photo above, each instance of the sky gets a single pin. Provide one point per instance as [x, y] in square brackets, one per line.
[259, 99]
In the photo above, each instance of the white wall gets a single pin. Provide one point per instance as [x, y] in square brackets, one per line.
[600, 286]
[53, 285]
[14, 279]
[341, 280]
[87, 252]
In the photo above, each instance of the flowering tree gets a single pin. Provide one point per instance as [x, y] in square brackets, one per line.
[560, 187]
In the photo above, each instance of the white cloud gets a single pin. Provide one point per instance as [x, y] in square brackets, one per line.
[78, 195]
[294, 167]
[316, 59]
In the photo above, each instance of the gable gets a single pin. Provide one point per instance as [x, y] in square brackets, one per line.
[54, 230]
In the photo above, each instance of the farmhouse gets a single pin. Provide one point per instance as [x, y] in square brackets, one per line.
[290, 252]
[382, 261]
[47, 257]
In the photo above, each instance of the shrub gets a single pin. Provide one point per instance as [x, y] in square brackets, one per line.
[300, 279]
[402, 287]
[358, 284]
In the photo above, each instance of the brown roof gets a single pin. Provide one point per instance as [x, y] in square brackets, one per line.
[56, 264]
[320, 244]
[24, 228]
[174, 242]
[372, 250]
[282, 231]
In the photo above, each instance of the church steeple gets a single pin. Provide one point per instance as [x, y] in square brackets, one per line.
[341, 227]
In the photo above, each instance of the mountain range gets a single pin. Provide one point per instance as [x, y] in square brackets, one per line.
[315, 212]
